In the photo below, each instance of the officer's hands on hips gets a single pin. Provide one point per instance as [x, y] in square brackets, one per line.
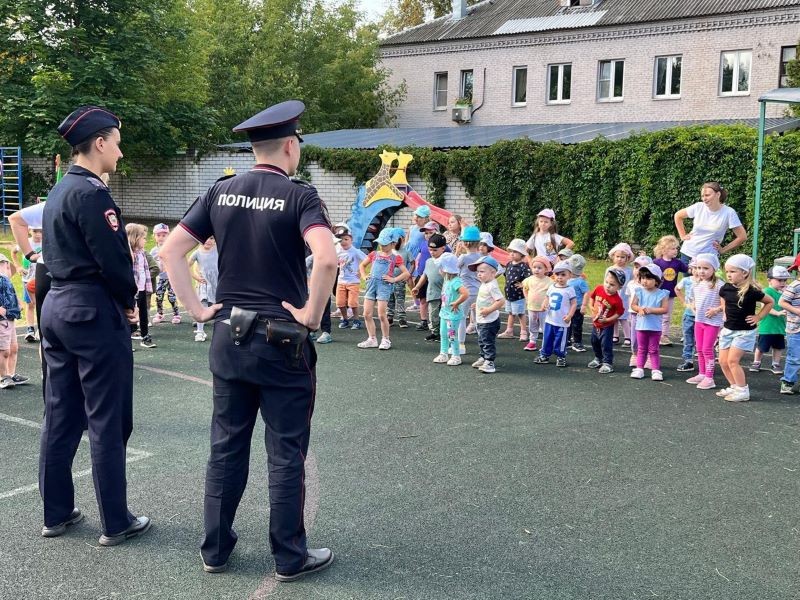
[303, 316]
[206, 313]
[132, 314]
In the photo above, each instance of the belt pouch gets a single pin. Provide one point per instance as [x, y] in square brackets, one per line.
[242, 324]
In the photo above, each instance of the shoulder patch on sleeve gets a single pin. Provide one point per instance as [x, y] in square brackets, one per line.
[111, 219]
[97, 183]
[302, 183]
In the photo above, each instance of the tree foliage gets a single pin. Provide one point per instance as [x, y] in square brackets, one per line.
[181, 74]
[403, 14]
[793, 73]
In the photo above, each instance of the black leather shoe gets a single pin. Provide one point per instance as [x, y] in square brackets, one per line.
[213, 568]
[76, 516]
[316, 560]
[135, 529]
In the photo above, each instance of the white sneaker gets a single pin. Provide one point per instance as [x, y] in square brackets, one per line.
[200, 336]
[440, 359]
[488, 367]
[725, 391]
[454, 361]
[386, 343]
[472, 329]
[637, 374]
[657, 375]
[478, 363]
[370, 342]
[738, 395]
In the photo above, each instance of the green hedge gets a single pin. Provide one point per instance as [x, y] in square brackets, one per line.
[609, 191]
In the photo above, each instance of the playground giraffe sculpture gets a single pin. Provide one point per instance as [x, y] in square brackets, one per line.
[380, 187]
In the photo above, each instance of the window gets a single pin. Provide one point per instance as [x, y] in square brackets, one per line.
[466, 85]
[520, 79]
[440, 91]
[559, 83]
[612, 73]
[735, 72]
[787, 53]
[668, 76]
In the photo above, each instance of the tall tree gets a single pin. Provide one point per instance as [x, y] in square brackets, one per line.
[137, 57]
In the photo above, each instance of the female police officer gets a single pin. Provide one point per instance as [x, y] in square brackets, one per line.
[262, 221]
[85, 335]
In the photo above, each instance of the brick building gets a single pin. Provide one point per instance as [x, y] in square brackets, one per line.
[593, 61]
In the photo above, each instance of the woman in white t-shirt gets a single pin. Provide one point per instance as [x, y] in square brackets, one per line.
[712, 219]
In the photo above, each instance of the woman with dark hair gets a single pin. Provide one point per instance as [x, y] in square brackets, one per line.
[712, 219]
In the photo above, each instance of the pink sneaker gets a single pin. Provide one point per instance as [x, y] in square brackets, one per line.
[530, 346]
[158, 318]
[506, 335]
[176, 319]
[696, 379]
[706, 384]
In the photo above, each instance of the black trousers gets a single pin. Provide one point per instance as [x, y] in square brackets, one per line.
[86, 343]
[487, 338]
[576, 328]
[43, 281]
[143, 304]
[249, 378]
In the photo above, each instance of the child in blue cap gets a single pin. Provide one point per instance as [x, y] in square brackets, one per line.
[454, 294]
[468, 253]
[380, 285]
[487, 311]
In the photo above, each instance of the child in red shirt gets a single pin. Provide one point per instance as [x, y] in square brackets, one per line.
[605, 306]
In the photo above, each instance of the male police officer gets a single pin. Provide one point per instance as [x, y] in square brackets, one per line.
[85, 334]
[260, 356]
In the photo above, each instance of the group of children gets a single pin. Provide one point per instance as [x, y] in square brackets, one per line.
[547, 293]
[151, 278]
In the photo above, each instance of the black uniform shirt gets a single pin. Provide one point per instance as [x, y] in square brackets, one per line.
[259, 220]
[83, 236]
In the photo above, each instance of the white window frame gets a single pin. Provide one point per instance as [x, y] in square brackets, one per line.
[462, 80]
[735, 83]
[514, 72]
[612, 82]
[560, 91]
[781, 63]
[668, 95]
[436, 105]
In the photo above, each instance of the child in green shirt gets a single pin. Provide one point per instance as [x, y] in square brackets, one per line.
[771, 328]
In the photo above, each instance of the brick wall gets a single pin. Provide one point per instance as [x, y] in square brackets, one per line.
[699, 41]
[166, 194]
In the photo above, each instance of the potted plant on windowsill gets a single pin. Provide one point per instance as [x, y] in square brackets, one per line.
[464, 101]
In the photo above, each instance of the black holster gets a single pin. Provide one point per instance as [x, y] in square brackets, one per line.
[287, 335]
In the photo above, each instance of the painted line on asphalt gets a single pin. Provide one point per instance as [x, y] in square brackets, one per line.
[133, 456]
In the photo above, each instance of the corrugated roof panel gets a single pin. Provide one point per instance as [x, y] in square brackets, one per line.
[470, 135]
[567, 21]
[486, 18]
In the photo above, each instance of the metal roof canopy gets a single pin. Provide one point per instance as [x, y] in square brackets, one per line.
[781, 96]
[475, 135]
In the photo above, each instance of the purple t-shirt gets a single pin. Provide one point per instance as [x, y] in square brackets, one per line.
[671, 268]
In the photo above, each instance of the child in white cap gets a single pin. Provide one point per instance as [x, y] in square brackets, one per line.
[535, 289]
[517, 271]
[454, 294]
[707, 307]
[545, 240]
[739, 298]
[649, 303]
[630, 291]
[684, 290]
[163, 286]
[772, 327]
[621, 256]
[561, 306]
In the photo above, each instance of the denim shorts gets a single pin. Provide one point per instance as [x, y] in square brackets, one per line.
[516, 307]
[378, 290]
[743, 339]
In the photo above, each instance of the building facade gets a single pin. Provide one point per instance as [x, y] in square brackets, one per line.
[593, 61]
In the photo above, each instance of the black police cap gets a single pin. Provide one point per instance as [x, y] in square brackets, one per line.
[84, 121]
[278, 121]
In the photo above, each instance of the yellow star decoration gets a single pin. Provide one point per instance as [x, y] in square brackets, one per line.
[229, 171]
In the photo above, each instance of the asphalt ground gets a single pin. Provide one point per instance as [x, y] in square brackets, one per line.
[439, 482]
